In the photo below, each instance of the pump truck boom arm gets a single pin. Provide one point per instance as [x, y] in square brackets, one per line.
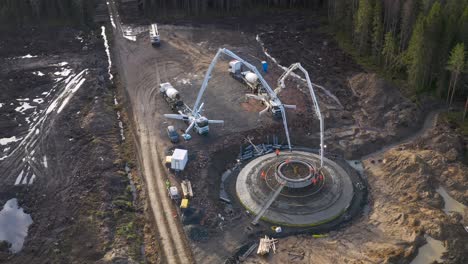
[281, 85]
[267, 87]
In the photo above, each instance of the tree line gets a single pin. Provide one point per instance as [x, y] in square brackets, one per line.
[423, 40]
[220, 7]
[28, 12]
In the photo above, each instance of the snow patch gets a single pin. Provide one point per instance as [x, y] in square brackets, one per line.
[129, 37]
[61, 64]
[71, 89]
[63, 73]
[33, 177]
[28, 56]
[44, 162]
[23, 107]
[20, 176]
[25, 179]
[38, 73]
[5, 141]
[106, 44]
[38, 100]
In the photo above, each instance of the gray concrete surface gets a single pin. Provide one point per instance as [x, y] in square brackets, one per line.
[332, 201]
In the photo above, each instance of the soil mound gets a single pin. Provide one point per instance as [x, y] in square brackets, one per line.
[382, 104]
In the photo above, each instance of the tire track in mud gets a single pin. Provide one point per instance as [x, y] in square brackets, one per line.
[167, 245]
[24, 164]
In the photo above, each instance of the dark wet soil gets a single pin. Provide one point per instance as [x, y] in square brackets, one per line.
[72, 200]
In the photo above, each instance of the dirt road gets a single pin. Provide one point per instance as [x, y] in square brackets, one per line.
[139, 82]
[429, 123]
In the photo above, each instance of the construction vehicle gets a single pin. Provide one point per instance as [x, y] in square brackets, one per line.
[154, 35]
[258, 92]
[195, 120]
[269, 95]
[290, 71]
[247, 77]
[173, 193]
[316, 107]
[172, 134]
[171, 95]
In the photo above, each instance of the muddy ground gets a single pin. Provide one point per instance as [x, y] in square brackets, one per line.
[361, 122]
[66, 164]
[81, 201]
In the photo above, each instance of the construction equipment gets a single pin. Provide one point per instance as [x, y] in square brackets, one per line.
[281, 86]
[187, 188]
[258, 92]
[274, 194]
[272, 97]
[247, 77]
[184, 203]
[173, 193]
[171, 95]
[271, 105]
[154, 35]
[172, 134]
[195, 120]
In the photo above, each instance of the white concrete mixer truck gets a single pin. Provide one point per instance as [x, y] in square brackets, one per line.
[247, 77]
[172, 97]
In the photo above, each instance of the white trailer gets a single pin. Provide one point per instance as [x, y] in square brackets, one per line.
[179, 159]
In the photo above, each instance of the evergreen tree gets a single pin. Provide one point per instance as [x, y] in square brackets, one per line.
[389, 49]
[463, 26]
[377, 33]
[363, 24]
[451, 14]
[408, 17]
[455, 65]
[415, 55]
[432, 40]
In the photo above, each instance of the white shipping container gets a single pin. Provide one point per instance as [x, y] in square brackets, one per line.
[179, 159]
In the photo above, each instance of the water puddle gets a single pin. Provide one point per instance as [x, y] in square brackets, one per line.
[357, 165]
[450, 204]
[430, 252]
[14, 224]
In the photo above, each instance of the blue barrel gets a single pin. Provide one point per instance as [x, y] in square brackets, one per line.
[265, 66]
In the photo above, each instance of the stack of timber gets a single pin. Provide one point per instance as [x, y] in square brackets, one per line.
[266, 244]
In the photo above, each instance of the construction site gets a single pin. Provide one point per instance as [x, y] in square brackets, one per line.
[262, 142]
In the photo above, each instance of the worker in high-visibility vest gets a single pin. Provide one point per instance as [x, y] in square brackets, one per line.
[277, 152]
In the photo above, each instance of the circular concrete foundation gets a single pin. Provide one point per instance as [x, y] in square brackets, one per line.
[309, 197]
